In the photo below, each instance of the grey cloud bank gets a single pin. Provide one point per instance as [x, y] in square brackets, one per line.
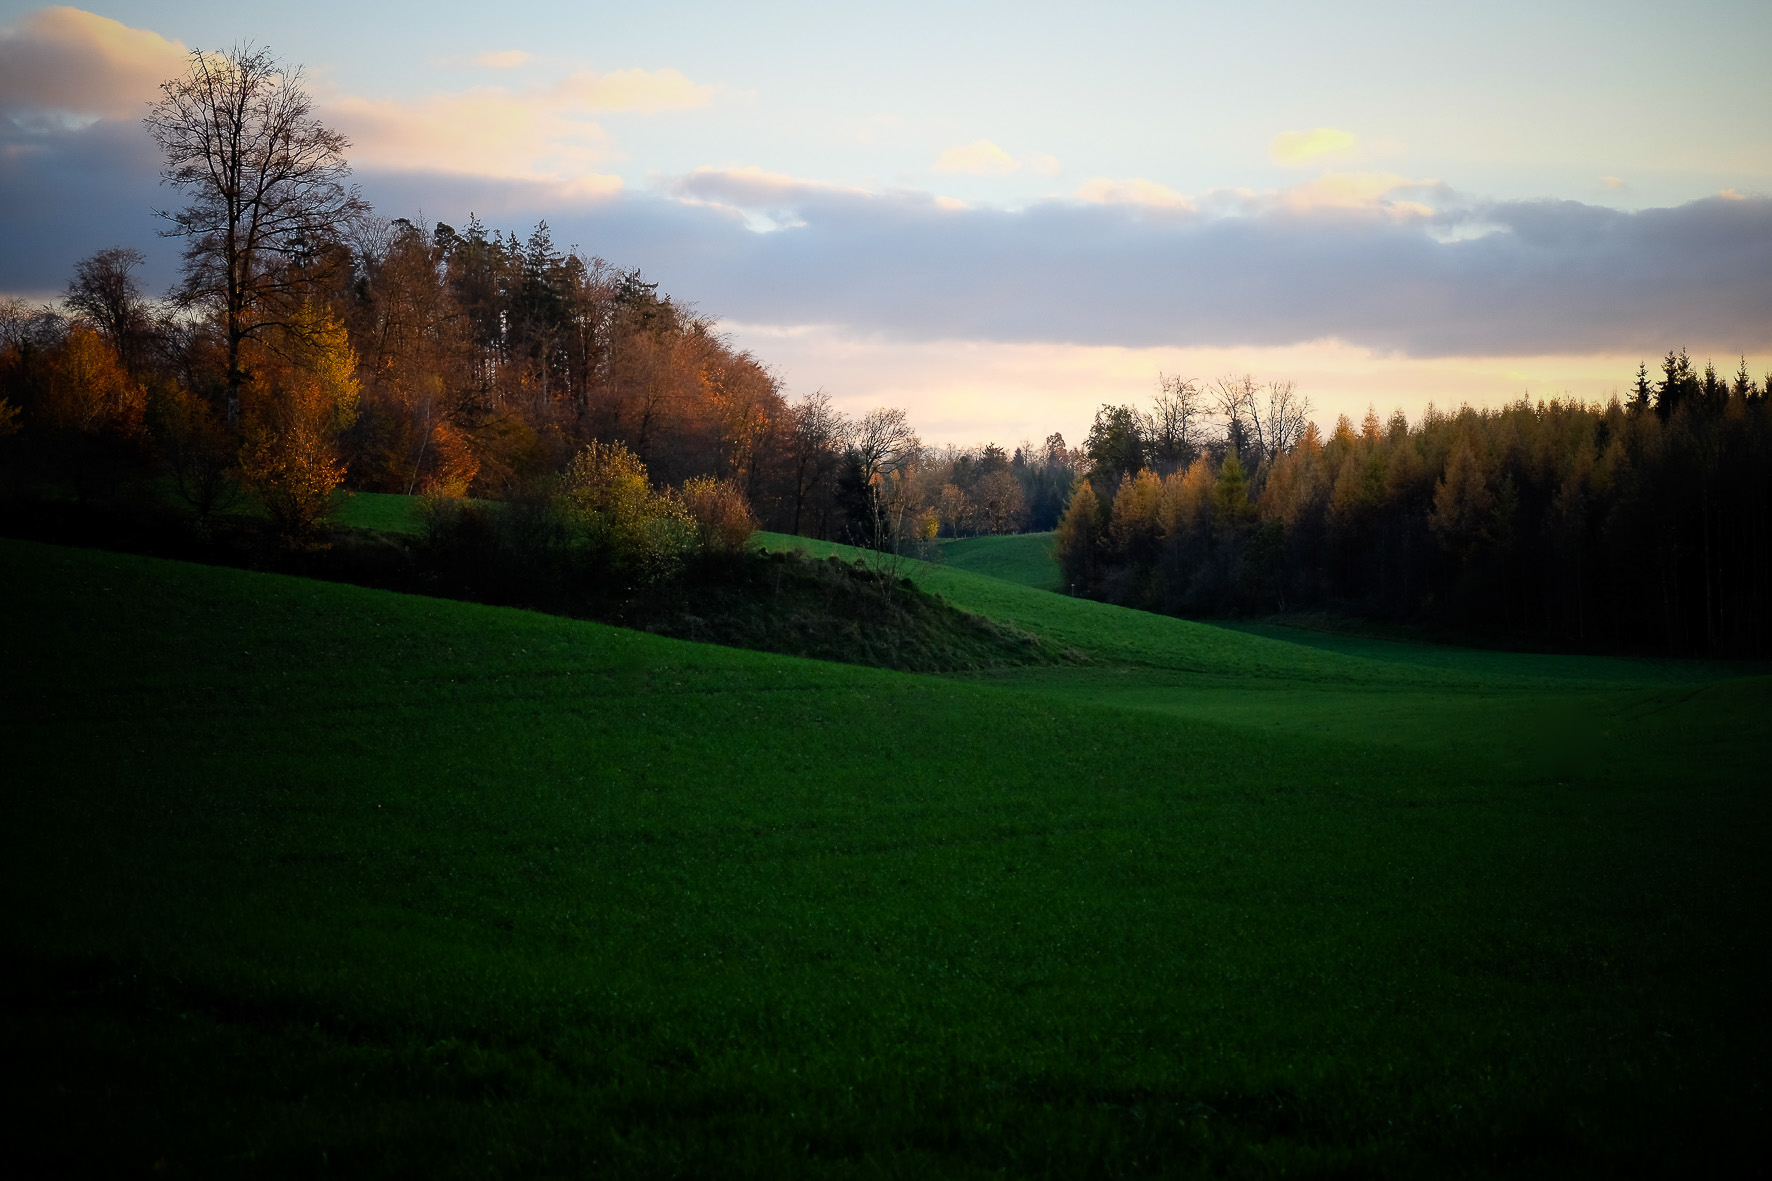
[1545, 278]
[1552, 277]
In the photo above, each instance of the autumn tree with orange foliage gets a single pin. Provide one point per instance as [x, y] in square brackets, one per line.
[723, 520]
[302, 398]
[90, 413]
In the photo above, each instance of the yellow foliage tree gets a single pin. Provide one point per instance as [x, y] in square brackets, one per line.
[1079, 541]
[89, 393]
[1136, 522]
[625, 523]
[453, 464]
[1462, 499]
[1187, 499]
[300, 402]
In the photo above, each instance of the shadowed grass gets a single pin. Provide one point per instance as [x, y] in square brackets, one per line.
[306, 875]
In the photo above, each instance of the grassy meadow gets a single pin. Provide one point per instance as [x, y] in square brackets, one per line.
[1024, 558]
[305, 877]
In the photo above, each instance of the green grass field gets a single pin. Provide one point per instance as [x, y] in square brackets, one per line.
[384, 512]
[307, 877]
[1024, 558]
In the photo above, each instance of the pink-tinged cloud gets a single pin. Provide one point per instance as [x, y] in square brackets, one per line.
[539, 133]
[1377, 191]
[486, 131]
[504, 59]
[981, 157]
[647, 91]
[70, 62]
[1135, 190]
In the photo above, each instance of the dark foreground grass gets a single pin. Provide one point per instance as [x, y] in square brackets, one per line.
[301, 876]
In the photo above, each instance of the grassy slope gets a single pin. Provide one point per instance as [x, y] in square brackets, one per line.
[300, 869]
[1024, 558]
[1536, 713]
[385, 512]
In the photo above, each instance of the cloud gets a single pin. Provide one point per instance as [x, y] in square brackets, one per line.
[649, 91]
[1135, 190]
[1377, 260]
[539, 133]
[1613, 182]
[755, 188]
[70, 194]
[981, 157]
[61, 68]
[760, 199]
[70, 62]
[1474, 279]
[1359, 190]
[504, 59]
[487, 130]
[1541, 278]
[1302, 147]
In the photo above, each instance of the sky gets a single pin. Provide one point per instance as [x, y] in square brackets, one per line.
[1001, 216]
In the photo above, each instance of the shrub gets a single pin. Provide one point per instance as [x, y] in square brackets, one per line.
[723, 520]
[614, 513]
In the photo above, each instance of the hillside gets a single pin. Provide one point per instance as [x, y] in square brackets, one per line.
[307, 873]
[1025, 558]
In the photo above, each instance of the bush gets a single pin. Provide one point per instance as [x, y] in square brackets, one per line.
[723, 520]
[625, 525]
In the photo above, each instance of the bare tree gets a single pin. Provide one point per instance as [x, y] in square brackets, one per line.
[105, 292]
[883, 441]
[1279, 417]
[266, 182]
[884, 448]
[1233, 400]
[1174, 421]
[814, 446]
[1001, 502]
[23, 326]
[1259, 420]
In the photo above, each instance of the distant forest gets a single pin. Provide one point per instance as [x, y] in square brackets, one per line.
[1644, 524]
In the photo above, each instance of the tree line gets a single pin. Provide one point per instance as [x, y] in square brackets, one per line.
[1643, 523]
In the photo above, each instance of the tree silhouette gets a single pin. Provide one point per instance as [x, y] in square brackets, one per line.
[266, 188]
